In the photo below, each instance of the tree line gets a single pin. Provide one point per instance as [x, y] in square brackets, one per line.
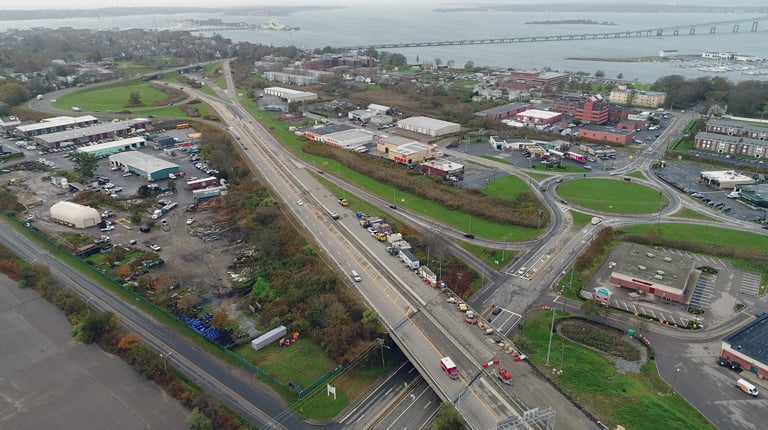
[746, 98]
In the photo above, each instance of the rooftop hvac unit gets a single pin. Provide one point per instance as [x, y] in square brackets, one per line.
[641, 267]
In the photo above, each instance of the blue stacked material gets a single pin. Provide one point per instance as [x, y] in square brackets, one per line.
[202, 327]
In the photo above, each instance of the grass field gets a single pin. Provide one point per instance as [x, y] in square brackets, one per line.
[111, 97]
[580, 219]
[703, 234]
[688, 213]
[612, 196]
[638, 401]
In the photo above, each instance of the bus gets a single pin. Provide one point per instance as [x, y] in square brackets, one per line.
[182, 126]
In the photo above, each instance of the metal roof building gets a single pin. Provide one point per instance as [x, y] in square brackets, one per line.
[109, 148]
[722, 179]
[92, 133]
[428, 126]
[143, 165]
[749, 348]
[348, 139]
[290, 95]
[53, 125]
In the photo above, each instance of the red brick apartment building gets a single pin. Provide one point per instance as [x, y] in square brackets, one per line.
[588, 108]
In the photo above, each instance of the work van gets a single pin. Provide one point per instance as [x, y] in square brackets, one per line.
[746, 387]
[356, 276]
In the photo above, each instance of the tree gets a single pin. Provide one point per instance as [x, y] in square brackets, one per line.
[397, 60]
[591, 309]
[95, 327]
[438, 63]
[469, 65]
[198, 421]
[134, 99]
[85, 164]
[14, 93]
[448, 418]
[450, 64]
[599, 74]
[129, 341]
[220, 319]
[620, 76]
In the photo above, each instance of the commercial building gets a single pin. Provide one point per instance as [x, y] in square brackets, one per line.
[737, 128]
[428, 126]
[94, 133]
[536, 116]
[592, 110]
[756, 195]
[7, 124]
[724, 179]
[75, 215]
[348, 139]
[534, 80]
[289, 95]
[621, 95]
[404, 151]
[379, 109]
[443, 168]
[607, 134]
[318, 133]
[143, 165]
[108, 148]
[665, 275]
[748, 347]
[504, 111]
[361, 114]
[53, 125]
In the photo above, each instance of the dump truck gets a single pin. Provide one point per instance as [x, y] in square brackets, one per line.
[343, 201]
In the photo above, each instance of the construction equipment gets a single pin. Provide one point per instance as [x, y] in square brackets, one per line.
[343, 201]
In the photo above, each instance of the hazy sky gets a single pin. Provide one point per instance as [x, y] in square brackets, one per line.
[90, 4]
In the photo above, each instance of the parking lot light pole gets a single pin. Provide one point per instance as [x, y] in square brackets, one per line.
[674, 380]
[165, 356]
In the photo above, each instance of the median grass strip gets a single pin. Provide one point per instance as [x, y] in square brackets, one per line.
[605, 195]
[642, 401]
[702, 234]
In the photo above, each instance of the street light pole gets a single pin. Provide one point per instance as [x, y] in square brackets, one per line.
[165, 358]
[674, 380]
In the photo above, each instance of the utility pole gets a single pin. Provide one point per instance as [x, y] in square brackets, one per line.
[551, 329]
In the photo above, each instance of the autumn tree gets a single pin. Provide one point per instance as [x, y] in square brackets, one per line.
[129, 341]
[220, 319]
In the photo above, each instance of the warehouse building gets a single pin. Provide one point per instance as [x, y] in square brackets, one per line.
[143, 165]
[289, 95]
[54, 125]
[361, 115]
[754, 194]
[410, 153]
[662, 274]
[538, 116]
[428, 126]
[94, 133]
[75, 215]
[379, 109]
[724, 179]
[748, 347]
[108, 148]
[318, 133]
[348, 139]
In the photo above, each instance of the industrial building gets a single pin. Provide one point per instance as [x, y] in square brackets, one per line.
[75, 215]
[8, 124]
[108, 130]
[724, 179]
[108, 148]
[428, 126]
[537, 116]
[348, 139]
[379, 109]
[754, 194]
[361, 114]
[443, 168]
[663, 274]
[318, 133]
[290, 95]
[504, 111]
[611, 135]
[53, 125]
[748, 347]
[143, 165]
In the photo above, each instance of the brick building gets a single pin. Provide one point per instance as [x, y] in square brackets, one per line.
[534, 81]
[607, 134]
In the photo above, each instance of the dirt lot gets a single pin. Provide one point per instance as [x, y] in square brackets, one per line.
[196, 255]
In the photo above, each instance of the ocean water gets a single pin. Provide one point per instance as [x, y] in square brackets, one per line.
[373, 24]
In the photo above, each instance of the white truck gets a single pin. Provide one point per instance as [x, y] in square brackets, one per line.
[746, 387]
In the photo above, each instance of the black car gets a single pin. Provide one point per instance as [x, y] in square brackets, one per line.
[496, 311]
[724, 362]
[392, 207]
[735, 366]
[469, 236]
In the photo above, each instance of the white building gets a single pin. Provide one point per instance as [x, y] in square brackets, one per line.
[290, 95]
[428, 126]
[348, 139]
[75, 215]
[379, 109]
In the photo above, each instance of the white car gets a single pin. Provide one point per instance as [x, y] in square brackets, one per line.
[108, 228]
[190, 221]
[155, 247]
[299, 202]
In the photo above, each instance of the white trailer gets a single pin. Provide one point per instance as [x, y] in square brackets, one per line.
[269, 337]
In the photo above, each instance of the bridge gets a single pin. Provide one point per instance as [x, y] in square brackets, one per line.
[710, 28]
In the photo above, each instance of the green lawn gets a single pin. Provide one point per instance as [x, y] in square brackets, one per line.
[111, 97]
[636, 174]
[580, 219]
[703, 234]
[688, 213]
[638, 401]
[607, 195]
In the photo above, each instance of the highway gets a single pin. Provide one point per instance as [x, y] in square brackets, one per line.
[417, 316]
